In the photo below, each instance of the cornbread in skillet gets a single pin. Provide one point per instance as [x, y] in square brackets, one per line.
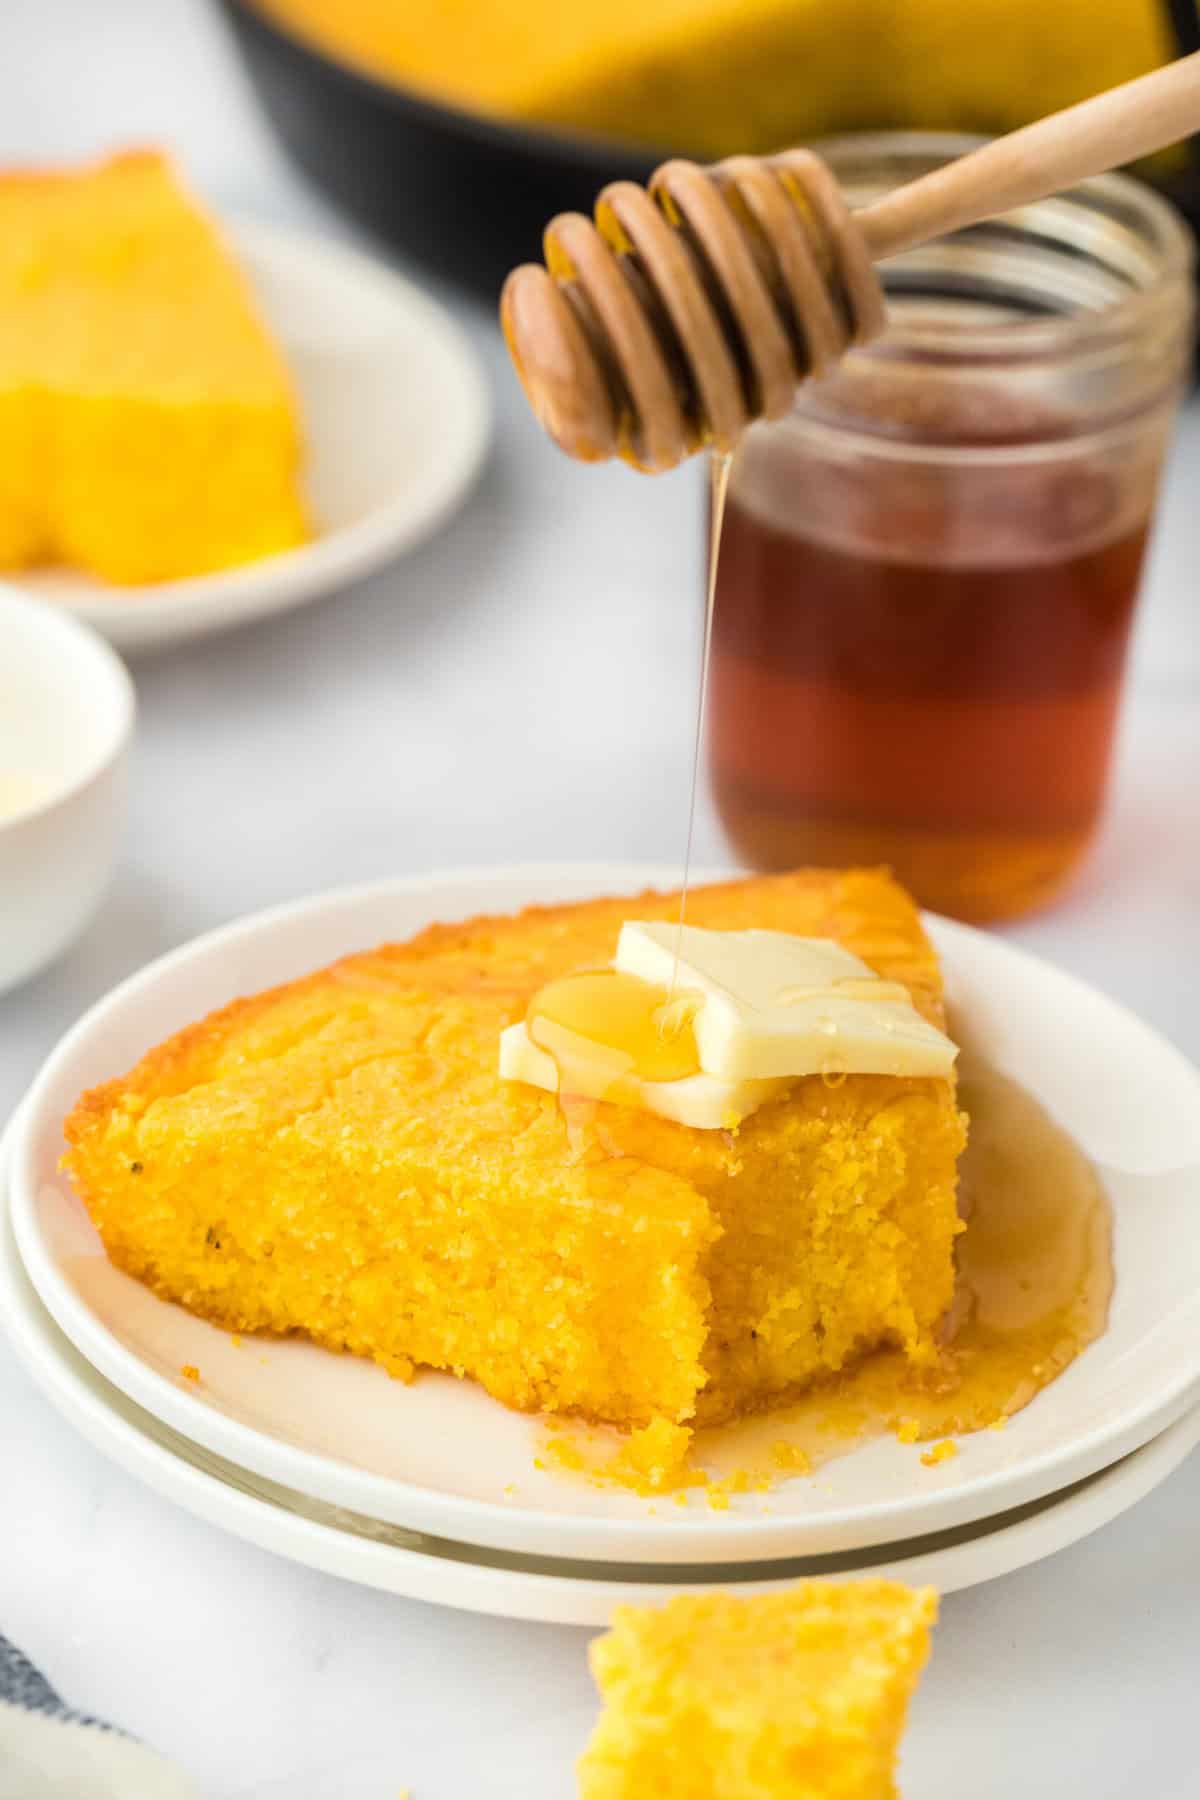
[712, 78]
[339, 1157]
[147, 424]
[793, 1696]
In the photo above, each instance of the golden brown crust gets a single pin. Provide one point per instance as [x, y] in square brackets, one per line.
[171, 1064]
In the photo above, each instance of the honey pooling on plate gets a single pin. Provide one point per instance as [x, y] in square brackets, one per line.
[1034, 1281]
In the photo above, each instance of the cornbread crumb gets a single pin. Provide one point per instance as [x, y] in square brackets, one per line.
[653, 1457]
[908, 1430]
[650, 1460]
[798, 1695]
[190, 1372]
[940, 1453]
[657, 1460]
[148, 428]
[563, 1454]
[742, 1481]
[790, 1458]
[380, 1188]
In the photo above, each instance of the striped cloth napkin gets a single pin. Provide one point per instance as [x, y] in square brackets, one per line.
[50, 1752]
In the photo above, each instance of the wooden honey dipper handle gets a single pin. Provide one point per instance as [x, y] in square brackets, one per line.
[689, 309]
[1116, 127]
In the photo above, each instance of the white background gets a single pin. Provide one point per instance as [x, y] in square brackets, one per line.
[521, 688]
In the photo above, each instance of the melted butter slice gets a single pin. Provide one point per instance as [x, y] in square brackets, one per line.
[606, 1035]
[773, 1005]
[706, 1037]
[637, 1021]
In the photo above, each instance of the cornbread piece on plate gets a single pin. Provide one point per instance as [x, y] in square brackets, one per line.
[792, 1696]
[340, 1157]
[148, 428]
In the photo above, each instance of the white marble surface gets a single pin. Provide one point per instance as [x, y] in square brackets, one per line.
[518, 689]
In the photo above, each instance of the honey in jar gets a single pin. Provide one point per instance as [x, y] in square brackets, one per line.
[928, 572]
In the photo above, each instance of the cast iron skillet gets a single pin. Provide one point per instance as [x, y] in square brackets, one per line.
[467, 195]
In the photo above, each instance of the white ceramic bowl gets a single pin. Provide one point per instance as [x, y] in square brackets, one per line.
[66, 719]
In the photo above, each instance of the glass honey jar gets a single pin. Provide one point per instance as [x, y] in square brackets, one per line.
[928, 570]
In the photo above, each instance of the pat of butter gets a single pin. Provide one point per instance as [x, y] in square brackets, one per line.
[593, 1072]
[777, 1005]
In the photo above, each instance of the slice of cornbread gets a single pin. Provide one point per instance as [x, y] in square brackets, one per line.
[713, 77]
[340, 1157]
[792, 1696]
[147, 423]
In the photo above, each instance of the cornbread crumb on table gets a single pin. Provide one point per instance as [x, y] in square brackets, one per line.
[339, 1156]
[794, 1696]
[148, 428]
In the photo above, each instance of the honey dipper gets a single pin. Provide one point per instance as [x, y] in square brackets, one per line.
[694, 307]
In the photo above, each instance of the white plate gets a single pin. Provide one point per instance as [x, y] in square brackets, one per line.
[446, 1573]
[438, 1456]
[396, 419]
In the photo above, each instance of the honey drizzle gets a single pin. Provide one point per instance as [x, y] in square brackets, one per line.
[718, 478]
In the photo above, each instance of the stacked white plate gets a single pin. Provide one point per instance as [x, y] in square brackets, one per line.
[431, 1490]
